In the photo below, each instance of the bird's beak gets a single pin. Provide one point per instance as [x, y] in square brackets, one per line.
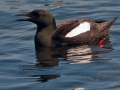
[24, 19]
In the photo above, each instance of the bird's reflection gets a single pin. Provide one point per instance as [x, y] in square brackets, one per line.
[79, 55]
[46, 57]
[85, 54]
[50, 57]
[45, 78]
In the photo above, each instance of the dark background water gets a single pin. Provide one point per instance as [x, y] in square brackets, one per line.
[67, 68]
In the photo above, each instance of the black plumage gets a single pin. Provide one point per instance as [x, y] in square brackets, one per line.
[50, 34]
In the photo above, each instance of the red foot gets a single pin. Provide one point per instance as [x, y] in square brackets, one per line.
[101, 42]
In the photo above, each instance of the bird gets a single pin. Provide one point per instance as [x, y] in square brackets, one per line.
[68, 32]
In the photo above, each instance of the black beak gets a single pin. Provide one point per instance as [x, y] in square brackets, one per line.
[24, 19]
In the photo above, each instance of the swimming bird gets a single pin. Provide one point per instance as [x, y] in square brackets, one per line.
[69, 32]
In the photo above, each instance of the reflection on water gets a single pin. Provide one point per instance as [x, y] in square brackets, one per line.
[79, 88]
[45, 78]
[46, 57]
[49, 57]
[79, 55]
[85, 54]
[64, 68]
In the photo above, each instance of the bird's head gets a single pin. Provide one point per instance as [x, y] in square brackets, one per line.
[39, 17]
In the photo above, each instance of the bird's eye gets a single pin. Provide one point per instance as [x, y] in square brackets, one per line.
[36, 14]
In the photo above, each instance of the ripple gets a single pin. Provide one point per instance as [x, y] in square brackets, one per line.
[65, 68]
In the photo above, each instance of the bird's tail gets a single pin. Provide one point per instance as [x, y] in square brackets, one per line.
[103, 28]
[105, 25]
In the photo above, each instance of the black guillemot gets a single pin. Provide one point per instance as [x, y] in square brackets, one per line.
[69, 32]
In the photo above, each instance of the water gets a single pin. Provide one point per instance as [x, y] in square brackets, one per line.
[67, 68]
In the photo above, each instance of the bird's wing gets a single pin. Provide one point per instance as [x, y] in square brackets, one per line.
[89, 30]
[68, 30]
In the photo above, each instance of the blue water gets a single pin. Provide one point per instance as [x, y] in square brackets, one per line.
[67, 68]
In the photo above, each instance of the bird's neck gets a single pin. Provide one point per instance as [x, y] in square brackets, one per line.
[47, 29]
[44, 35]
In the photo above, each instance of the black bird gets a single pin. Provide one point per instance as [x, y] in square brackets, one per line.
[69, 32]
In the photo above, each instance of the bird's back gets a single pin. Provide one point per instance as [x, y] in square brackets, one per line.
[89, 31]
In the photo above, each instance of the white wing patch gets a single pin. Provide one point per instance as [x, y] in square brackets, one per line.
[81, 28]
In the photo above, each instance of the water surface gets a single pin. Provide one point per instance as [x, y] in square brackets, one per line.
[65, 68]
